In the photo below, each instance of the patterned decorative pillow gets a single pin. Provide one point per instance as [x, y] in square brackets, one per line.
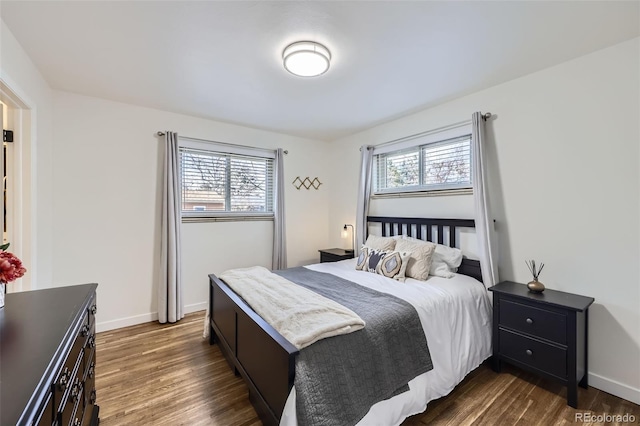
[394, 264]
[373, 258]
[362, 258]
[391, 264]
[422, 253]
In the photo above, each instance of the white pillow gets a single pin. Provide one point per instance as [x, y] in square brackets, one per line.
[445, 261]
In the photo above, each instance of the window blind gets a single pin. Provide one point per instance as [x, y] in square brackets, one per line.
[433, 166]
[216, 183]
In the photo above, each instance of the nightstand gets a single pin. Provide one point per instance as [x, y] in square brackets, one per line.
[334, 255]
[544, 333]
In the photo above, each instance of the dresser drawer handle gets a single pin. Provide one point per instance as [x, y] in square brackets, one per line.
[84, 331]
[64, 378]
[93, 398]
[92, 368]
[93, 309]
[529, 352]
[529, 321]
[75, 390]
[76, 422]
[92, 341]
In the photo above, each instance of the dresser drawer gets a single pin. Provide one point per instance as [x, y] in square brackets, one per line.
[74, 404]
[539, 355]
[66, 376]
[45, 418]
[89, 398]
[88, 352]
[535, 321]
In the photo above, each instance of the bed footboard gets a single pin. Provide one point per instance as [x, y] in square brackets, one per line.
[254, 349]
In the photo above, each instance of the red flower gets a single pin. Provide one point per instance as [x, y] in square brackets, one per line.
[10, 267]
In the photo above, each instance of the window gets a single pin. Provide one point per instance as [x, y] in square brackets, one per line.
[437, 165]
[217, 182]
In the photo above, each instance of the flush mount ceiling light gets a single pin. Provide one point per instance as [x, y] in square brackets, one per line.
[306, 58]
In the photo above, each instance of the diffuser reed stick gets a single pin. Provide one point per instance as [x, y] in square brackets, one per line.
[535, 270]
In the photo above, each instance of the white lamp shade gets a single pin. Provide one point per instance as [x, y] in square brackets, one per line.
[306, 59]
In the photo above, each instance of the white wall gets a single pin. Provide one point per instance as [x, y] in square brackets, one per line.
[106, 207]
[564, 159]
[20, 76]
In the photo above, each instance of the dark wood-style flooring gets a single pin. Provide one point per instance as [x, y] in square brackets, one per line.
[154, 374]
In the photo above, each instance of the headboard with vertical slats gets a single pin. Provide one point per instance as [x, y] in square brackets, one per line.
[423, 229]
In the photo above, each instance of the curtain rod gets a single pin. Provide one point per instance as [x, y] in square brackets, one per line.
[160, 133]
[485, 117]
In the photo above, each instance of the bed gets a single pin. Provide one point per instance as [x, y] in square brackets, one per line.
[455, 315]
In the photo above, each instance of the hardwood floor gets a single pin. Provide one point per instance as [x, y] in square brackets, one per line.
[154, 374]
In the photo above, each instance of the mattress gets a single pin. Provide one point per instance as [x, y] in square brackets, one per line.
[455, 314]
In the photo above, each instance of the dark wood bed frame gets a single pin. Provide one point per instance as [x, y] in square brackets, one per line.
[265, 359]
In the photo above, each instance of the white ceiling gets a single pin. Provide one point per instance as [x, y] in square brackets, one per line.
[222, 60]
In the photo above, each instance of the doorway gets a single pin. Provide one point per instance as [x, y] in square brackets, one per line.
[6, 164]
[16, 202]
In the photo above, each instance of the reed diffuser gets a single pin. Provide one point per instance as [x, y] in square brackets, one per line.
[535, 286]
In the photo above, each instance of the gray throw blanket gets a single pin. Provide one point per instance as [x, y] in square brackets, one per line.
[338, 379]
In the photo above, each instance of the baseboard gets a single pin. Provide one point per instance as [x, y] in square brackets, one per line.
[126, 322]
[615, 388]
[195, 307]
[142, 318]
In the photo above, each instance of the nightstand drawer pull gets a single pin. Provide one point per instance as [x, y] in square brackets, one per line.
[528, 352]
[529, 321]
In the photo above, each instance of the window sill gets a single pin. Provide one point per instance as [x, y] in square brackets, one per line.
[432, 193]
[226, 218]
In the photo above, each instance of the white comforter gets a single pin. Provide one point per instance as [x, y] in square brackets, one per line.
[456, 317]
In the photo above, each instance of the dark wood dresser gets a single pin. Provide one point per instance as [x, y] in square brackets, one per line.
[47, 357]
[544, 333]
[334, 255]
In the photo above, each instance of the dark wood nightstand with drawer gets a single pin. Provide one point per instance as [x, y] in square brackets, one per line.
[334, 255]
[544, 333]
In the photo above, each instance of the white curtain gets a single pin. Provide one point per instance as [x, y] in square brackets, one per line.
[279, 235]
[170, 308]
[364, 194]
[484, 221]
